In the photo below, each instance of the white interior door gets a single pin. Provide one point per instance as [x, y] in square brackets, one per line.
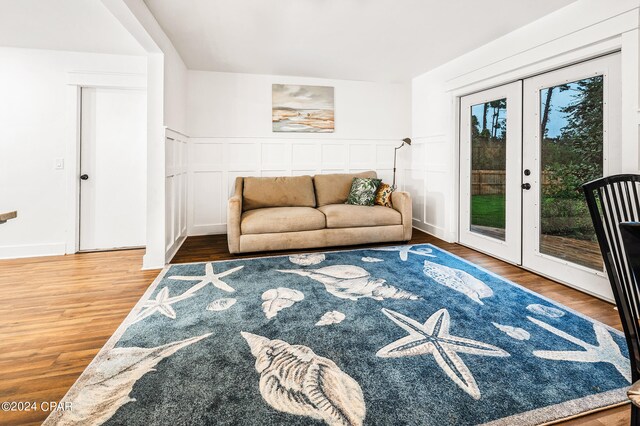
[490, 166]
[113, 169]
[572, 130]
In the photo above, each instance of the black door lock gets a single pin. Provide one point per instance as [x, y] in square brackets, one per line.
[84, 177]
[526, 186]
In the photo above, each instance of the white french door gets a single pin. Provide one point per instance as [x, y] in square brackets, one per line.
[490, 162]
[572, 128]
[570, 124]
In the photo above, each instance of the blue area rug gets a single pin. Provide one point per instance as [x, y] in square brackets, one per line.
[407, 335]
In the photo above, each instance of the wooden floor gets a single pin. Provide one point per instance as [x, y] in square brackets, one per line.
[57, 312]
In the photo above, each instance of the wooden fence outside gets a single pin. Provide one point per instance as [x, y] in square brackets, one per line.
[492, 182]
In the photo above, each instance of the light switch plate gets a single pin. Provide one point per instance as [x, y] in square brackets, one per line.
[59, 163]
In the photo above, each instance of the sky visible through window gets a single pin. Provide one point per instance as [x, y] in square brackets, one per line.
[557, 119]
[496, 117]
[561, 99]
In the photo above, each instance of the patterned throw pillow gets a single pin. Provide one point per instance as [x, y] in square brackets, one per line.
[383, 197]
[363, 191]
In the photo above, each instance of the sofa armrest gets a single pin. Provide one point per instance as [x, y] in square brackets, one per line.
[234, 216]
[401, 202]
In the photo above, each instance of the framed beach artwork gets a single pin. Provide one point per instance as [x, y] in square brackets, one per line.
[298, 108]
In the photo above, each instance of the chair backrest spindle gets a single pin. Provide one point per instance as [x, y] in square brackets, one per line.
[611, 201]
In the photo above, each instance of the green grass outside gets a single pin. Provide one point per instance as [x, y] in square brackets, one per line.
[562, 217]
[488, 210]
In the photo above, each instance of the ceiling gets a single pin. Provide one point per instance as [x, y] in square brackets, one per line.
[73, 25]
[374, 40]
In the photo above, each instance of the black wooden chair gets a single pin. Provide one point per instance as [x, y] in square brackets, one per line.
[630, 232]
[613, 200]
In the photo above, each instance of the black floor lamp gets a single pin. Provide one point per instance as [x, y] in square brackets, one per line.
[395, 155]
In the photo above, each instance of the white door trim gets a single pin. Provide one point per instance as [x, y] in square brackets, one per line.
[76, 80]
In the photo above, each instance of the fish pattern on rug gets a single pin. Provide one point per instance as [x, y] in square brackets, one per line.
[336, 339]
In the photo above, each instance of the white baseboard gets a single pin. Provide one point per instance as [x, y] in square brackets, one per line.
[32, 250]
[218, 228]
[148, 263]
[436, 231]
[174, 248]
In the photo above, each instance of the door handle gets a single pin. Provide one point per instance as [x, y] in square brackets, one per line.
[526, 186]
[84, 177]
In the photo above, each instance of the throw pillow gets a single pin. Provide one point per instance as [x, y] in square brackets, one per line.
[363, 191]
[383, 197]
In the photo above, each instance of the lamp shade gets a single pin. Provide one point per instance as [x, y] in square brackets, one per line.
[407, 141]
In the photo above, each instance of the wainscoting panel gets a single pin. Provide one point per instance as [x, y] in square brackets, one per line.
[214, 164]
[243, 156]
[334, 156]
[207, 187]
[384, 153]
[275, 156]
[305, 156]
[428, 177]
[176, 177]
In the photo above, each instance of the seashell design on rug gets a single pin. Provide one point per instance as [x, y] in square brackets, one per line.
[333, 317]
[276, 299]
[352, 282]
[295, 380]
[221, 304]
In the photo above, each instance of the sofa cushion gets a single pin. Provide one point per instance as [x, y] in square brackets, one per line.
[334, 188]
[350, 216]
[363, 191]
[383, 197]
[286, 191]
[281, 219]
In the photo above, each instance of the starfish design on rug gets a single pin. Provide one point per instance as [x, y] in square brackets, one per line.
[433, 338]
[605, 351]
[209, 277]
[161, 303]
[405, 250]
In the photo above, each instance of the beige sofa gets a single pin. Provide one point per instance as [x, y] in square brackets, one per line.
[298, 212]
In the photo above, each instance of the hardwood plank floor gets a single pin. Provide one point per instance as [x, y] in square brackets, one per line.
[55, 315]
[57, 312]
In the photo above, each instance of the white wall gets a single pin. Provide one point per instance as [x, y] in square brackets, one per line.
[36, 113]
[229, 125]
[584, 29]
[142, 25]
[166, 116]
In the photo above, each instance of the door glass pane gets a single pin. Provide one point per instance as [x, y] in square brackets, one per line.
[571, 129]
[488, 168]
